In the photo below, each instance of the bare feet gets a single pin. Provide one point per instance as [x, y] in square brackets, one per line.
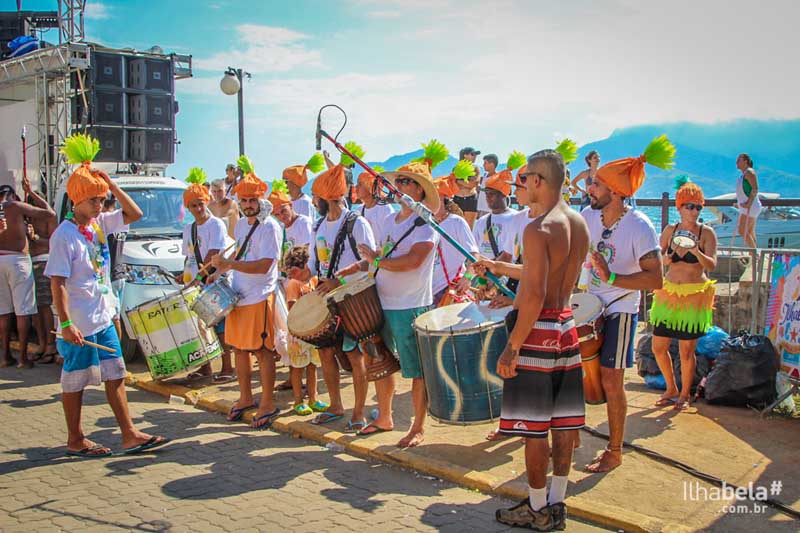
[684, 406]
[137, 439]
[25, 364]
[495, 435]
[413, 438]
[87, 447]
[10, 361]
[610, 459]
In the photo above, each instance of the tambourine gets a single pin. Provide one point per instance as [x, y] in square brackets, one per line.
[684, 239]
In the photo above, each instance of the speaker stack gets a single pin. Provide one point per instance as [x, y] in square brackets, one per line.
[129, 107]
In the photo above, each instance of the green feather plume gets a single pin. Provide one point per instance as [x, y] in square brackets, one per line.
[245, 165]
[196, 175]
[79, 148]
[681, 180]
[279, 186]
[378, 169]
[316, 163]
[568, 150]
[354, 149]
[516, 160]
[464, 170]
[660, 153]
[434, 152]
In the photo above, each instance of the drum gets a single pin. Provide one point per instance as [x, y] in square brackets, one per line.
[587, 309]
[684, 239]
[215, 302]
[311, 321]
[358, 306]
[171, 337]
[459, 346]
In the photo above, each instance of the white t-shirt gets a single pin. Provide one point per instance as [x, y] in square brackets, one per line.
[304, 206]
[299, 233]
[512, 240]
[633, 237]
[264, 244]
[210, 236]
[500, 226]
[325, 237]
[413, 288]
[483, 206]
[375, 215]
[454, 260]
[92, 303]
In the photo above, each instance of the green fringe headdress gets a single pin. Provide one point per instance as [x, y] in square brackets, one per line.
[464, 170]
[434, 153]
[354, 149]
[625, 176]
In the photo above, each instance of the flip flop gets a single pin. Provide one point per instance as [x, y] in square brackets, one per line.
[236, 413]
[87, 452]
[153, 442]
[375, 429]
[47, 359]
[197, 376]
[220, 379]
[354, 427]
[286, 385]
[269, 417]
[324, 418]
[664, 402]
[319, 406]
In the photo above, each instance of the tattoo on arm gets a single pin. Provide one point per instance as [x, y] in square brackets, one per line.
[652, 254]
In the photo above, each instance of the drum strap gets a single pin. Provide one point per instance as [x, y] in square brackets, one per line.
[417, 222]
[345, 231]
[198, 259]
[492, 238]
[243, 248]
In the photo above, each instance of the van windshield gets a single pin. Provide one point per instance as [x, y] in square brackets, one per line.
[163, 212]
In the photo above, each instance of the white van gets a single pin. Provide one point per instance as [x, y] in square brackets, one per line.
[152, 261]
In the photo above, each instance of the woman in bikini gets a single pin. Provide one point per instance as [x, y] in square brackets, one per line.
[593, 162]
[682, 308]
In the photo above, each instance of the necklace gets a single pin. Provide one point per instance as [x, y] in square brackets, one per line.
[608, 231]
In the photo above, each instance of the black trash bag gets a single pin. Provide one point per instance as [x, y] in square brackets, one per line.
[646, 364]
[744, 373]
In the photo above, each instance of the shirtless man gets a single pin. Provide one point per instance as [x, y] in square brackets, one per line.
[223, 207]
[40, 250]
[16, 271]
[541, 366]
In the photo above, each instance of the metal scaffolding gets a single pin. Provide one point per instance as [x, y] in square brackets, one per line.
[70, 21]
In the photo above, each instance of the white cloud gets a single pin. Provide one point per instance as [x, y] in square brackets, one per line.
[263, 49]
[96, 11]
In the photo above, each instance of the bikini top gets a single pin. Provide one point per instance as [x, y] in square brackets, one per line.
[688, 257]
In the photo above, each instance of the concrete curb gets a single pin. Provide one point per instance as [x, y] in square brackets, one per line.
[579, 506]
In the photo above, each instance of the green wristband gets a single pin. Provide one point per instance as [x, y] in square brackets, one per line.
[375, 263]
[611, 278]
[66, 324]
[342, 280]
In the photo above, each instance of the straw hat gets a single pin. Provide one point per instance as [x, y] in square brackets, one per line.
[420, 173]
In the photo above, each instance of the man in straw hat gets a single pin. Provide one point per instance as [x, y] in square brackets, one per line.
[541, 366]
[405, 287]
[203, 239]
[250, 327]
[80, 280]
[350, 231]
[626, 259]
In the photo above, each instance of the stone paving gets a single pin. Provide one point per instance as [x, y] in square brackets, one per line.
[214, 476]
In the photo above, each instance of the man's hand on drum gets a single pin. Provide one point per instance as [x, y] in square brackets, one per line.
[72, 335]
[601, 266]
[500, 300]
[462, 285]
[221, 264]
[507, 364]
[327, 285]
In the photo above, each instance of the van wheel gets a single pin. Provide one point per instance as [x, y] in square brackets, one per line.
[130, 348]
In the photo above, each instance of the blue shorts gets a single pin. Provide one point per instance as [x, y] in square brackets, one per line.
[620, 333]
[86, 365]
[348, 343]
[398, 334]
[219, 329]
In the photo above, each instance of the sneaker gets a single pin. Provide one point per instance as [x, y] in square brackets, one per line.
[559, 513]
[521, 515]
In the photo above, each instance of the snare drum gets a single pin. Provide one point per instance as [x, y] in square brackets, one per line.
[587, 309]
[358, 306]
[459, 346]
[215, 302]
[684, 239]
[172, 338]
[310, 320]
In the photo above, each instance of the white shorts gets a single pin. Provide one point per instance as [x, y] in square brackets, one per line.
[16, 285]
[753, 212]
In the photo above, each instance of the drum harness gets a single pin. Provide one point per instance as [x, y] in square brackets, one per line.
[338, 244]
[417, 222]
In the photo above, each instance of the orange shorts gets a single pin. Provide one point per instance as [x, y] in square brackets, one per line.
[252, 327]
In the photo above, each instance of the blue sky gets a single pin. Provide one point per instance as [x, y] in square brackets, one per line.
[502, 75]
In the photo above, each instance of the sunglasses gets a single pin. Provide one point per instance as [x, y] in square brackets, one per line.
[523, 178]
[404, 181]
[696, 207]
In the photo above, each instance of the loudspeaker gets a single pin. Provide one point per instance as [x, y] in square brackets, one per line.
[112, 144]
[107, 70]
[151, 110]
[151, 146]
[106, 107]
[150, 74]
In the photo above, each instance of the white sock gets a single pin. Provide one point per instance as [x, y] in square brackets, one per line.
[558, 489]
[537, 497]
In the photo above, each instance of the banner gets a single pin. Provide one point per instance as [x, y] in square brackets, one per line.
[783, 312]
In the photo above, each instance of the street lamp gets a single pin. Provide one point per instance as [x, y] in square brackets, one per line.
[230, 84]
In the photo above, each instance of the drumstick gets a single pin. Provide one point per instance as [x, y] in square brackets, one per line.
[90, 343]
[205, 267]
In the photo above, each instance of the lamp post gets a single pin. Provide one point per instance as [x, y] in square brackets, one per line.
[230, 84]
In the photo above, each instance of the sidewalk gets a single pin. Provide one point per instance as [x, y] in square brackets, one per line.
[735, 445]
